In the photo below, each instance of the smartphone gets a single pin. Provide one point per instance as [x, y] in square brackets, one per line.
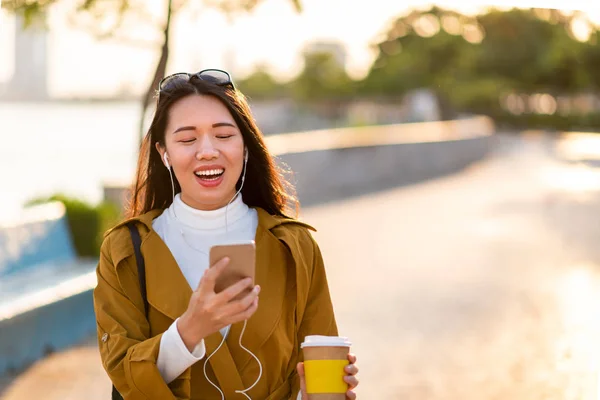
[242, 260]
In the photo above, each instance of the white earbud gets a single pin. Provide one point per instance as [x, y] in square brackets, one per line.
[166, 159]
[246, 154]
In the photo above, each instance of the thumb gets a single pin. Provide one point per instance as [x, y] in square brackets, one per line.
[209, 279]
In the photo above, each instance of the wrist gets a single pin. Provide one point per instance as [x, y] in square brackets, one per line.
[190, 340]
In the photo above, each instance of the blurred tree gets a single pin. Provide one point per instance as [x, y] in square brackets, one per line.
[592, 60]
[423, 50]
[108, 16]
[260, 85]
[323, 86]
[533, 50]
[470, 62]
[323, 77]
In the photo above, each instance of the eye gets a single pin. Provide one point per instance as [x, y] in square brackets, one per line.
[224, 136]
[187, 141]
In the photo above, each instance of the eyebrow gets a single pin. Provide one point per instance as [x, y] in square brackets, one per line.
[193, 128]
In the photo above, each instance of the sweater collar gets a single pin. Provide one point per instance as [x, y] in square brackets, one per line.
[207, 220]
[265, 220]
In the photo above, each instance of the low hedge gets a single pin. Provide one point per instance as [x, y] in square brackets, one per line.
[583, 122]
[87, 223]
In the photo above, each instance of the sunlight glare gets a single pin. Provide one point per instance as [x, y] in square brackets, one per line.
[580, 307]
[581, 29]
[577, 180]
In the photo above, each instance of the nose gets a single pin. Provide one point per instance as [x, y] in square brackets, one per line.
[206, 150]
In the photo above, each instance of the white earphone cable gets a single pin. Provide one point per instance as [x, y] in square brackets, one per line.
[204, 368]
[257, 360]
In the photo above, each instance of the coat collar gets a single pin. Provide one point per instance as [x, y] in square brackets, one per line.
[265, 220]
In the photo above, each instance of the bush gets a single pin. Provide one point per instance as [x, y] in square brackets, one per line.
[87, 223]
[588, 122]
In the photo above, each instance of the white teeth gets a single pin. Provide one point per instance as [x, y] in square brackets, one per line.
[210, 172]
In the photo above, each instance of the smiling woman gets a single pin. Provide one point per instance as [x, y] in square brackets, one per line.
[206, 178]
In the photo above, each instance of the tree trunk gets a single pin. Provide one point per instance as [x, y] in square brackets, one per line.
[159, 72]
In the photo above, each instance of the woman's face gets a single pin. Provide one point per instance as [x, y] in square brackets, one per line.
[205, 149]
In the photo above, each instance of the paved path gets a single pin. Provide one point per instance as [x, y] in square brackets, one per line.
[482, 285]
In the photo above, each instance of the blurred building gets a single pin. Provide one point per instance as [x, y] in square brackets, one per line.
[30, 78]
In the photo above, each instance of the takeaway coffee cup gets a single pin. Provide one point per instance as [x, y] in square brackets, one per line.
[324, 360]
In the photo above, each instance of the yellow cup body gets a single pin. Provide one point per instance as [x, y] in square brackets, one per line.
[325, 376]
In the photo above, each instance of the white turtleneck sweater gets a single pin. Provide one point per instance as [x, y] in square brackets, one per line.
[201, 230]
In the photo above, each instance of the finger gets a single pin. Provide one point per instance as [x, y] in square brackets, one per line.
[238, 306]
[350, 395]
[300, 368]
[351, 358]
[246, 314]
[208, 280]
[351, 369]
[232, 291]
[352, 381]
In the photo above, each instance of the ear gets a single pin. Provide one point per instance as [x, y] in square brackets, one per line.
[162, 151]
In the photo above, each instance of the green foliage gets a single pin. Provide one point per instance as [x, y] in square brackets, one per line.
[471, 62]
[575, 122]
[322, 78]
[87, 223]
[260, 85]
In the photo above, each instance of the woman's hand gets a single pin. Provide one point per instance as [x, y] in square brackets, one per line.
[208, 312]
[350, 378]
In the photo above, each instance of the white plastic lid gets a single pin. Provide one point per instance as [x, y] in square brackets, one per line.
[322, 341]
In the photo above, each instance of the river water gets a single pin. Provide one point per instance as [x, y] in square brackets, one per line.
[71, 148]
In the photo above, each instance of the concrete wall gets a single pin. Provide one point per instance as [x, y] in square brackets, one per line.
[333, 165]
[29, 336]
[45, 290]
[41, 235]
[324, 176]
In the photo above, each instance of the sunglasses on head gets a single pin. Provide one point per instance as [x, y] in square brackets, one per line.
[215, 76]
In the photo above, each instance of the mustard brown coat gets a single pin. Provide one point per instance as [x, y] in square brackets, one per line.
[294, 302]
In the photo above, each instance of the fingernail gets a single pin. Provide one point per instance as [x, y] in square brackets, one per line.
[256, 289]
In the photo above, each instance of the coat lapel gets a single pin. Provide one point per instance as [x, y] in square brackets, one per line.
[168, 290]
[271, 275]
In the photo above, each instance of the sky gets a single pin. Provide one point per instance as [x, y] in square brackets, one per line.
[272, 35]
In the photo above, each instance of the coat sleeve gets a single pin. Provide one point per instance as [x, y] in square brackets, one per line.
[128, 354]
[315, 314]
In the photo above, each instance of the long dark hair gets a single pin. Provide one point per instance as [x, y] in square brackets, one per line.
[265, 185]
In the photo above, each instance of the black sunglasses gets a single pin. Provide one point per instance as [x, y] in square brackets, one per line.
[215, 76]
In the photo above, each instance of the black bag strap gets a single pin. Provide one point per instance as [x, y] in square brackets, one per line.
[139, 259]
[141, 267]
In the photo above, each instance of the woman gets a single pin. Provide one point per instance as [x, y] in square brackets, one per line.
[205, 177]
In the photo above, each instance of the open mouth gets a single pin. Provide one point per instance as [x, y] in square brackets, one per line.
[210, 175]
